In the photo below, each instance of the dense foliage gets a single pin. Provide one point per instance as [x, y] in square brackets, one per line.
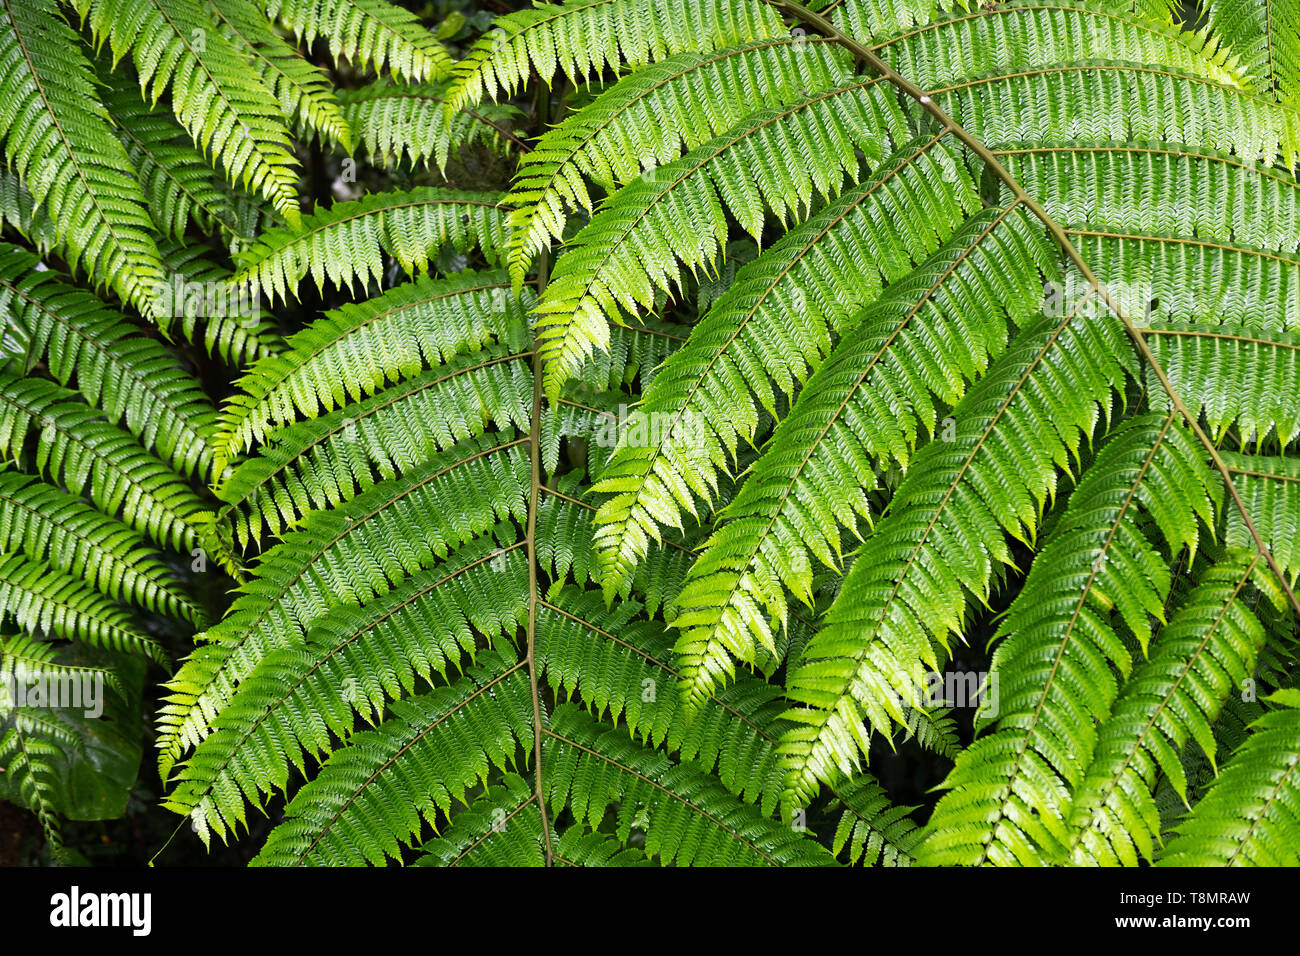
[682, 432]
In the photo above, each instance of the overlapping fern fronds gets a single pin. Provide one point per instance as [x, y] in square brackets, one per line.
[621, 508]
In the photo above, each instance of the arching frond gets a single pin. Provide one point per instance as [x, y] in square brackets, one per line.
[1114, 100]
[303, 89]
[57, 138]
[348, 241]
[770, 328]
[1205, 654]
[581, 38]
[176, 46]
[648, 118]
[673, 219]
[88, 455]
[862, 411]
[943, 536]
[369, 33]
[130, 378]
[1024, 35]
[348, 354]
[349, 554]
[322, 463]
[1234, 377]
[1061, 645]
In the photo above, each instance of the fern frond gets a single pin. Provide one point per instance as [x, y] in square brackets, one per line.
[647, 119]
[874, 20]
[1023, 35]
[397, 122]
[1234, 376]
[370, 33]
[88, 455]
[130, 378]
[349, 554]
[1161, 188]
[619, 668]
[40, 599]
[871, 828]
[303, 89]
[433, 750]
[350, 353]
[864, 409]
[687, 817]
[1112, 100]
[178, 182]
[175, 45]
[1251, 814]
[1206, 652]
[1059, 643]
[674, 218]
[1265, 36]
[772, 326]
[322, 463]
[502, 827]
[290, 705]
[1270, 489]
[58, 139]
[52, 526]
[347, 241]
[1197, 280]
[943, 537]
[583, 38]
[230, 326]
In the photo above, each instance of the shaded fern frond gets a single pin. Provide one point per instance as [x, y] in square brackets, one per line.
[1251, 814]
[1061, 645]
[1206, 652]
[686, 816]
[88, 455]
[397, 122]
[871, 828]
[40, 599]
[130, 378]
[52, 526]
[57, 138]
